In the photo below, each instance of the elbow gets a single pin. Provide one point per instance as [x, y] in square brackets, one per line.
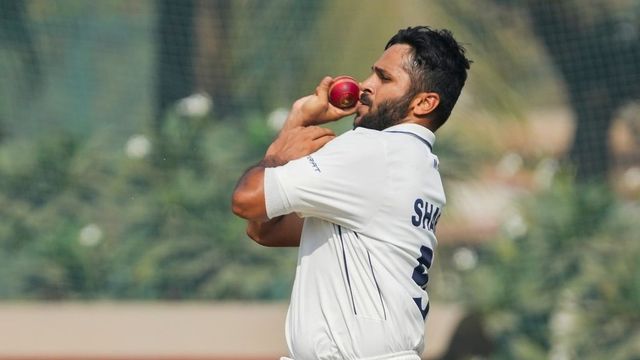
[247, 200]
[241, 205]
[248, 205]
[237, 205]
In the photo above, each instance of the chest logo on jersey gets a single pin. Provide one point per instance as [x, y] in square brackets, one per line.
[425, 215]
[313, 163]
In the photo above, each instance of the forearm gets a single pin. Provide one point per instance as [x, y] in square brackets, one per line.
[278, 232]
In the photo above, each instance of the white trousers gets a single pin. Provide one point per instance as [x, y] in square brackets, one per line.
[405, 355]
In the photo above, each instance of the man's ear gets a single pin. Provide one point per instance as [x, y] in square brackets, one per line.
[425, 103]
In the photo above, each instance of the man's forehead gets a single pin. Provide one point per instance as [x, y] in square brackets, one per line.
[393, 59]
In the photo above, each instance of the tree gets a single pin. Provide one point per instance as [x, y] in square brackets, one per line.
[233, 52]
[15, 35]
[174, 54]
[597, 52]
[213, 60]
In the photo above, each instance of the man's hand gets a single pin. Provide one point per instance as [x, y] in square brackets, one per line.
[315, 109]
[295, 143]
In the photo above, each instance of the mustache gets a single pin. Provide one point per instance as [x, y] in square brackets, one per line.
[365, 99]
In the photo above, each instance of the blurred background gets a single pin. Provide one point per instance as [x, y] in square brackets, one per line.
[125, 124]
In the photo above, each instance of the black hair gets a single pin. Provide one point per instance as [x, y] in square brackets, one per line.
[437, 63]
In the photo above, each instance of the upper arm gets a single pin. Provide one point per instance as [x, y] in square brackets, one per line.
[339, 183]
[282, 231]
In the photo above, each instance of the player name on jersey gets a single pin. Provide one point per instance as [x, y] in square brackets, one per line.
[426, 215]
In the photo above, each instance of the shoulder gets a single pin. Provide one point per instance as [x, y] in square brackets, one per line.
[358, 151]
[358, 141]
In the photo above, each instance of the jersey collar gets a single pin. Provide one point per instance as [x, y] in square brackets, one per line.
[418, 130]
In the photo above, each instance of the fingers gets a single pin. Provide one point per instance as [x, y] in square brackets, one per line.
[321, 141]
[320, 136]
[310, 132]
[296, 142]
[323, 87]
[316, 132]
[314, 136]
[342, 112]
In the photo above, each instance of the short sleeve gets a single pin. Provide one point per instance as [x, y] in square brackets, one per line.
[340, 183]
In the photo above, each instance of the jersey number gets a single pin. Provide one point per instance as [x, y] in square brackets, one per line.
[421, 276]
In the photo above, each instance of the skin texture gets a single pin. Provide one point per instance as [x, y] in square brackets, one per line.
[300, 136]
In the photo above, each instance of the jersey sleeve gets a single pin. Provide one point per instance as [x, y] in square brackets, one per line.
[339, 183]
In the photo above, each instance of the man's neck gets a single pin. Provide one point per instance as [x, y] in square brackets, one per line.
[422, 122]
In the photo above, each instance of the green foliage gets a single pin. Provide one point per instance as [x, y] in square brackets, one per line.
[569, 284]
[82, 219]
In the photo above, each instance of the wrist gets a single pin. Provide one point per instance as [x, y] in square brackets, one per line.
[296, 118]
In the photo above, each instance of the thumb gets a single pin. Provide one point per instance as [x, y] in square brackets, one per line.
[323, 88]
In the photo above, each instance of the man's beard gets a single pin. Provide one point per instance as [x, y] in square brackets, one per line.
[388, 113]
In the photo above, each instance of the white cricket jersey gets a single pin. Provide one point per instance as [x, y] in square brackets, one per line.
[371, 200]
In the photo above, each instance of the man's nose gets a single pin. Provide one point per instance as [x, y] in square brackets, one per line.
[365, 86]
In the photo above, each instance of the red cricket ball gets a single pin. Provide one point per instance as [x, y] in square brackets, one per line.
[344, 92]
